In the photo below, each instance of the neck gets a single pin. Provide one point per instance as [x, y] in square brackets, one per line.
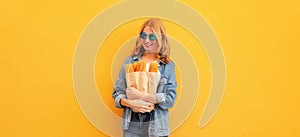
[149, 57]
[149, 54]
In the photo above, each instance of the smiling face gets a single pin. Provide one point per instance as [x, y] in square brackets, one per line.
[153, 39]
[149, 40]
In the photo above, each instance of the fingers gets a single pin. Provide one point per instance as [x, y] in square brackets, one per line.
[148, 104]
[148, 108]
[151, 108]
[131, 89]
[141, 106]
[143, 109]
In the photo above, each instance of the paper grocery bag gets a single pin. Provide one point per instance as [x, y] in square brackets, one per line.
[153, 79]
[145, 82]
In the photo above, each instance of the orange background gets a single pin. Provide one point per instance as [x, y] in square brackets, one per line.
[259, 39]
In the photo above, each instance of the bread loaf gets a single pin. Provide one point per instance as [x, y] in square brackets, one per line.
[153, 67]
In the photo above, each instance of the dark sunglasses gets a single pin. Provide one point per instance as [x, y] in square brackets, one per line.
[143, 35]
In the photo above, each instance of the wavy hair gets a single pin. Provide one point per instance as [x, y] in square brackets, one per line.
[163, 50]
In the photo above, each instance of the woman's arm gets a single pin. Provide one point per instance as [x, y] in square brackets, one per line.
[167, 99]
[120, 85]
[137, 105]
[133, 93]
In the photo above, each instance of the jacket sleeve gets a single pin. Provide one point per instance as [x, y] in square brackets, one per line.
[120, 85]
[167, 98]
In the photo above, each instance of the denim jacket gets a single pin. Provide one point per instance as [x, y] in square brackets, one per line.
[166, 95]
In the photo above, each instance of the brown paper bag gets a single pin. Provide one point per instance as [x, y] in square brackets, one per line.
[145, 82]
[153, 80]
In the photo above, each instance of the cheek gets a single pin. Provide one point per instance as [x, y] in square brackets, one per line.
[156, 44]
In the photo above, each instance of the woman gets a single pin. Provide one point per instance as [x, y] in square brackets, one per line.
[140, 118]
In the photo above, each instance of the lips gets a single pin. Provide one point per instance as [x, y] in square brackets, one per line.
[149, 47]
[147, 44]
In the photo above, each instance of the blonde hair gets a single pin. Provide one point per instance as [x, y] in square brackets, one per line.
[163, 50]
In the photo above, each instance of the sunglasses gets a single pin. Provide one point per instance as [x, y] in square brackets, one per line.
[143, 36]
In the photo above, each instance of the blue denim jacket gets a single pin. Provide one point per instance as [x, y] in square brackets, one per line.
[166, 95]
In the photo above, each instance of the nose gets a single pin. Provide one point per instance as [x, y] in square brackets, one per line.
[147, 39]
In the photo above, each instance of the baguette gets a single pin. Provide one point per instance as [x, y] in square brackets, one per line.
[129, 68]
[142, 66]
[153, 67]
[135, 66]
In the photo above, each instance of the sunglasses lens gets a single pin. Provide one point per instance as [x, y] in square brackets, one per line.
[152, 37]
[143, 35]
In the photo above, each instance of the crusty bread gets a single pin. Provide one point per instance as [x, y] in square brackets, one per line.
[129, 68]
[153, 67]
[141, 66]
[134, 65]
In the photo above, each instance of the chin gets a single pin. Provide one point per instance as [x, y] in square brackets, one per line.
[148, 50]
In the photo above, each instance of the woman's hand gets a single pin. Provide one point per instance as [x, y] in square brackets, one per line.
[133, 93]
[138, 105]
